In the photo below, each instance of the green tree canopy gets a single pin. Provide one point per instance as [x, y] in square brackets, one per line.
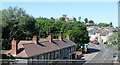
[76, 30]
[79, 18]
[113, 37]
[74, 19]
[62, 19]
[16, 23]
[86, 20]
[105, 25]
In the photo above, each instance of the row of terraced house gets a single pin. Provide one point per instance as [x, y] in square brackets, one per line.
[43, 48]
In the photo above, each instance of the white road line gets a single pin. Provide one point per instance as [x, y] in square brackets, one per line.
[92, 56]
[107, 55]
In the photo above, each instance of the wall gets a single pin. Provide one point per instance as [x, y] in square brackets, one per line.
[104, 38]
[58, 54]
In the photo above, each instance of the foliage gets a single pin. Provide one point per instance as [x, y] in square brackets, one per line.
[5, 44]
[74, 19]
[76, 30]
[79, 18]
[91, 21]
[113, 37]
[118, 55]
[62, 19]
[119, 40]
[7, 56]
[105, 25]
[17, 23]
[86, 20]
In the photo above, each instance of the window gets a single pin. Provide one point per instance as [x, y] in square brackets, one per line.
[49, 55]
[52, 55]
[42, 57]
[37, 57]
[70, 49]
[61, 52]
[46, 56]
[56, 54]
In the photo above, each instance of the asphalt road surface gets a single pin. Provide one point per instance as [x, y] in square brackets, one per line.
[104, 54]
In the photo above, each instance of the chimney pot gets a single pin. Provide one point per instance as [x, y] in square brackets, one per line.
[49, 38]
[34, 39]
[68, 37]
[14, 47]
[60, 37]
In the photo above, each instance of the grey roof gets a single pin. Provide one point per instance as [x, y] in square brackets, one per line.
[111, 29]
[92, 31]
[104, 32]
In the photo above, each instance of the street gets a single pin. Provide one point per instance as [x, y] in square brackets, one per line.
[102, 53]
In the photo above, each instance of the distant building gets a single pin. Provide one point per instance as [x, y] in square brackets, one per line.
[67, 19]
[101, 34]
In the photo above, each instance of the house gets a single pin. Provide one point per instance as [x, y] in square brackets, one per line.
[104, 35]
[100, 34]
[68, 19]
[47, 48]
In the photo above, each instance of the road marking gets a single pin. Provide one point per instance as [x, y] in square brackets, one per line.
[92, 57]
[109, 52]
[106, 55]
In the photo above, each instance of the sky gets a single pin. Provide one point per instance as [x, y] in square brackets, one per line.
[105, 12]
[60, 0]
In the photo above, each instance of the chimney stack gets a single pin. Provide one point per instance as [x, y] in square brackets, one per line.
[49, 38]
[14, 47]
[68, 37]
[60, 37]
[34, 39]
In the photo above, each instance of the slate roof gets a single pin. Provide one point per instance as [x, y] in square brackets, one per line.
[44, 46]
[104, 32]
[92, 31]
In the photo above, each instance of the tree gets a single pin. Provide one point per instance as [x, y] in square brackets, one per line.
[111, 24]
[86, 20]
[76, 30]
[104, 25]
[52, 19]
[7, 56]
[91, 21]
[62, 19]
[113, 38]
[74, 19]
[79, 18]
[16, 23]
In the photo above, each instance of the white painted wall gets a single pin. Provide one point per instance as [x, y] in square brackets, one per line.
[104, 38]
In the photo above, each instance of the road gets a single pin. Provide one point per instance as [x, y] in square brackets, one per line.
[104, 54]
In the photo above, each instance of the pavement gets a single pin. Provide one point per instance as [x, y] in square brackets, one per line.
[89, 56]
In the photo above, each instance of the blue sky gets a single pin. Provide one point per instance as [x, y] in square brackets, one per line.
[98, 11]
